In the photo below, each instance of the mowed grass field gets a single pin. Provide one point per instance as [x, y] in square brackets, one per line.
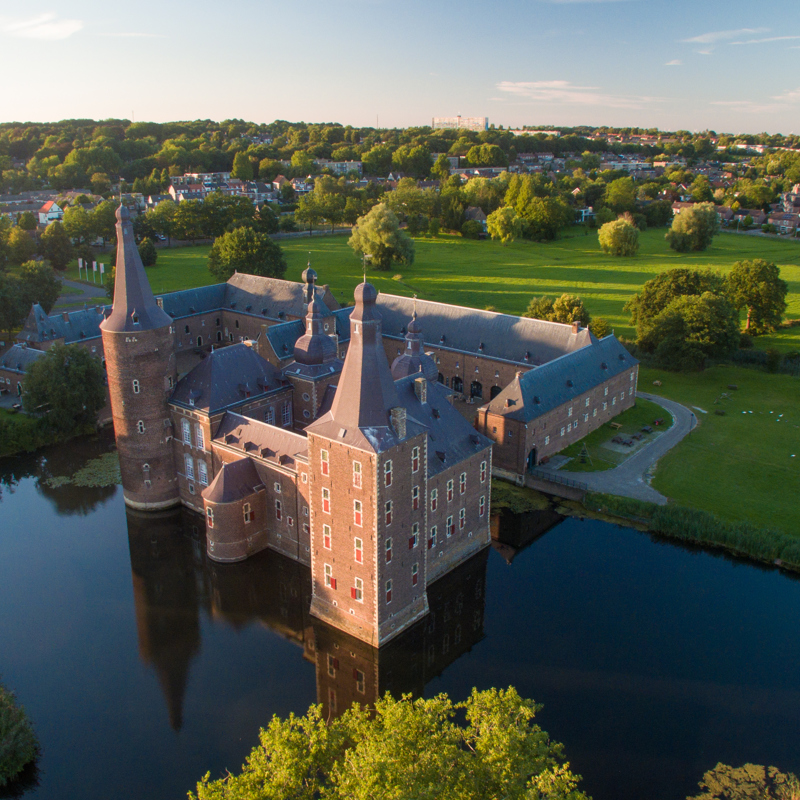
[744, 465]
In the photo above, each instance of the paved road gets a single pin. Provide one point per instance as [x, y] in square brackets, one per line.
[628, 479]
[91, 295]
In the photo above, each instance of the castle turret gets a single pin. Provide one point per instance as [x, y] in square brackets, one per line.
[414, 359]
[368, 482]
[138, 341]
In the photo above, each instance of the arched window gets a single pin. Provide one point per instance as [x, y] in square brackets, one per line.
[199, 341]
[248, 513]
[189, 462]
[458, 384]
[210, 517]
[135, 386]
[140, 426]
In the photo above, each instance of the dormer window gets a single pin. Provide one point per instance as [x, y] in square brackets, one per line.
[135, 319]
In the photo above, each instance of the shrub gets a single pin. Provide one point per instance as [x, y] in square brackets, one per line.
[619, 238]
[147, 252]
[471, 229]
[18, 743]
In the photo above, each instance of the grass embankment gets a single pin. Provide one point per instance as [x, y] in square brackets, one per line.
[601, 456]
[742, 466]
[485, 273]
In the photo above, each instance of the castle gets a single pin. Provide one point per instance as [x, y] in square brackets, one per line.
[295, 434]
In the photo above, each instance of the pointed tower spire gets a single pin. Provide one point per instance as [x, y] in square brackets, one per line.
[135, 308]
[366, 392]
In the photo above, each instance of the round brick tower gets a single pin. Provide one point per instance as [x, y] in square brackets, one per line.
[139, 345]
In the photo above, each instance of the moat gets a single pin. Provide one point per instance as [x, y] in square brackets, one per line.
[143, 664]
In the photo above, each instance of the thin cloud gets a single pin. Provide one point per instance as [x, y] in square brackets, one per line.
[44, 26]
[721, 36]
[564, 92]
[135, 35]
[787, 98]
[769, 39]
[676, 62]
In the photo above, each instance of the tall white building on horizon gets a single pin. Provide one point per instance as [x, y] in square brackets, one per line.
[461, 123]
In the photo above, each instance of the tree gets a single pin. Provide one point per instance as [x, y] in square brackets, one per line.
[546, 216]
[56, 246]
[21, 246]
[565, 309]
[310, 211]
[658, 213]
[104, 220]
[162, 218]
[406, 748]
[694, 228]
[242, 167]
[621, 195]
[19, 743]
[27, 221]
[12, 304]
[147, 252]
[66, 385]
[619, 238]
[378, 161]
[659, 292]
[599, 327]
[78, 224]
[750, 782]
[39, 284]
[302, 164]
[5, 231]
[245, 250]
[504, 224]
[441, 168]
[757, 286]
[223, 212]
[187, 222]
[101, 183]
[377, 235]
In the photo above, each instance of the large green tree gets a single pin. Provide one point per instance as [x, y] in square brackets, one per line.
[757, 286]
[619, 238]
[504, 224]
[657, 293]
[18, 743]
[56, 245]
[378, 236]
[21, 246]
[162, 219]
[104, 220]
[242, 167]
[39, 284]
[749, 782]
[566, 309]
[13, 306]
[245, 250]
[188, 220]
[78, 224]
[67, 386]
[694, 228]
[486, 747]
[621, 195]
[27, 221]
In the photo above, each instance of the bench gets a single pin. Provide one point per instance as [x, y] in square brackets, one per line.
[615, 425]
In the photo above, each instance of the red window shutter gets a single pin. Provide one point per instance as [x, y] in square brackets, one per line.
[353, 592]
[414, 579]
[355, 674]
[333, 583]
[411, 543]
[336, 663]
[389, 596]
[430, 543]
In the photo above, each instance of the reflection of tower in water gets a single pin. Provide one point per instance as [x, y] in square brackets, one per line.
[173, 580]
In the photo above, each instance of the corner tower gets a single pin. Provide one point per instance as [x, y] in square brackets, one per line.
[138, 340]
[368, 483]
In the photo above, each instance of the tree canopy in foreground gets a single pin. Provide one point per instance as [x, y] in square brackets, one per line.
[245, 250]
[757, 286]
[694, 228]
[378, 236]
[18, 743]
[406, 748]
[750, 782]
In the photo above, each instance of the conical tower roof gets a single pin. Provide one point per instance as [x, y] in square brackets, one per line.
[135, 308]
[414, 359]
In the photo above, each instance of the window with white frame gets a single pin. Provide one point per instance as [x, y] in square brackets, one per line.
[326, 501]
[415, 459]
[358, 550]
[326, 537]
[278, 510]
[449, 490]
[413, 540]
[585, 417]
[434, 499]
[277, 487]
[414, 574]
[462, 518]
[247, 513]
[357, 593]
[547, 440]
[387, 473]
[286, 414]
[202, 472]
[587, 402]
[358, 516]
[483, 472]
[605, 392]
[269, 416]
[613, 401]
[450, 528]
[481, 506]
[389, 591]
[569, 411]
[330, 581]
[388, 512]
[139, 425]
[605, 406]
[324, 459]
[210, 517]
[562, 431]
[414, 498]
[462, 483]
[357, 474]
[388, 549]
[432, 538]
[186, 428]
[136, 387]
[199, 437]
[189, 462]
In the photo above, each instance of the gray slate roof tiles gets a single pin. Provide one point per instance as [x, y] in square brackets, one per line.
[261, 440]
[18, 358]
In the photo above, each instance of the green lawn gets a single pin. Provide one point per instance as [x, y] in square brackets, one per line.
[484, 273]
[602, 458]
[741, 466]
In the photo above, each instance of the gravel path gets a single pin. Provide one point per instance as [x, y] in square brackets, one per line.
[628, 479]
[91, 295]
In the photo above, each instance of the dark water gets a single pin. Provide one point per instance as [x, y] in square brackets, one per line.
[143, 665]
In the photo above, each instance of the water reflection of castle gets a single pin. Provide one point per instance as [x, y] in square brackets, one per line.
[173, 581]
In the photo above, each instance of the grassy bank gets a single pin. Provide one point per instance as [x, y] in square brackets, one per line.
[485, 273]
[745, 465]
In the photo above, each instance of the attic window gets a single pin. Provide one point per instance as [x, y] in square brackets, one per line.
[135, 321]
[230, 438]
[160, 302]
[621, 356]
[264, 312]
[233, 305]
[442, 455]
[281, 315]
[435, 412]
[537, 400]
[480, 347]
[403, 330]
[191, 309]
[570, 383]
[441, 341]
[527, 355]
[247, 308]
[603, 365]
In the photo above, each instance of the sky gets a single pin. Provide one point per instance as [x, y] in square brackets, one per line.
[679, 64]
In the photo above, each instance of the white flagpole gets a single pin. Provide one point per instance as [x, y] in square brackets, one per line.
[80, 264]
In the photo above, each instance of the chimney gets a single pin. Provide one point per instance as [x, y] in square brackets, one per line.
[421, 389]
[65, 316]
[399, 421]
[576, 326]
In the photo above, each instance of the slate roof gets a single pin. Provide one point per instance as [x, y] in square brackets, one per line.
[77, 326]
[261, 440]
[450, 434]
[278, 296]
[542, 389]
[486, 333]
[194, 301]
[226, 377]
[235, 481]
[18, 358]
[282, 337]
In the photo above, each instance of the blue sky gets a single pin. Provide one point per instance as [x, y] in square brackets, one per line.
[690, 64]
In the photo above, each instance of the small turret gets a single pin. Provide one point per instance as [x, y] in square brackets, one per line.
[414, 359]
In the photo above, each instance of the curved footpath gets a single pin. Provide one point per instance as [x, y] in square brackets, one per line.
[91, 294]
[627, 480]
